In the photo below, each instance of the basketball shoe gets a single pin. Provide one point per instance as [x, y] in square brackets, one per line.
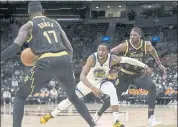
[152, 122]
[118, 124]
[45, 118]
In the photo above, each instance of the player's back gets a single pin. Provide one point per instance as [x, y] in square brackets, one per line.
[45, 36]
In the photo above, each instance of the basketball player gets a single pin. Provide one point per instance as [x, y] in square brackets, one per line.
[135, 48]
[48, 41]
[92, 78]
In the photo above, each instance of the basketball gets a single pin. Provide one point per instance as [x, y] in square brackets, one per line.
[28, 58]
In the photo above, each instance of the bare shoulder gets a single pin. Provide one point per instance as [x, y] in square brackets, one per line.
[91, 60]
[26, 27]
[124, 44]
[119, 48]
[148, 43]
[91, 57]
[149, 46]
[29, 24]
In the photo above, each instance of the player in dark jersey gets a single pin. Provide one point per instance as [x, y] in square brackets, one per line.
[47, 40]
[135, 48]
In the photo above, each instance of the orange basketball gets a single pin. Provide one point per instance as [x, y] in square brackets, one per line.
[28, 58]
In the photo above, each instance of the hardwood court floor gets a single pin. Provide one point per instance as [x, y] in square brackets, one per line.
[130, 115]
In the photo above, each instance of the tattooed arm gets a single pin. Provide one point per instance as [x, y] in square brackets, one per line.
[154, 53]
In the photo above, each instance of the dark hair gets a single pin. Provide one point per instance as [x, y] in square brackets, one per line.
[34, 7]
[138, 30]
[105, 44]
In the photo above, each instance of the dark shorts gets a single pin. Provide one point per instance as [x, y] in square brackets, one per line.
[125, 80]
[48, 68]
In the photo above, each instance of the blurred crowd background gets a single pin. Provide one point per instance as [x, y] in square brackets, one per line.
[84, 33]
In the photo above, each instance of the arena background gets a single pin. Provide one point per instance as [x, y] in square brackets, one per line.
[87, 24]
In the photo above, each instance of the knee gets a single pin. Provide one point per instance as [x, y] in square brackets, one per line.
[113, 96]
[110, 89]
[113, 92]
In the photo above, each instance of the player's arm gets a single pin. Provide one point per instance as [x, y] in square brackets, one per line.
[120, 48]
[65, 40]
[153, 52]
[83, 76]
[18, 42]
[127, 60]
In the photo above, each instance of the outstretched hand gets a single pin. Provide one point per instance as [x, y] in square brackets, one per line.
[97, 92]
[147, 71]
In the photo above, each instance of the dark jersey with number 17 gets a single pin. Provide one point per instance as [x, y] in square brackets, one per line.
[45, 36]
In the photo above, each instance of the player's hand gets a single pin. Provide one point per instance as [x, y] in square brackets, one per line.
[113, 74]
[97, 92]
[162, 67]
[147, 71]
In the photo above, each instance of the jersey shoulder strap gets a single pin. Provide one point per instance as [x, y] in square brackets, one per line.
[127, 47]
[95, 59]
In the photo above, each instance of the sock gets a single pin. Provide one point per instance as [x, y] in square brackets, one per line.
[104, 107]
[115, 116]
[60, 107]
[150, 112]
[55, 112]
[18, 111]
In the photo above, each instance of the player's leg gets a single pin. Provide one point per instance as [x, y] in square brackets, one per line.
[77, 102]
[121, 86]
[81, 91]
[109, 89]
[64, 72]
[33, 82]
[147, 83]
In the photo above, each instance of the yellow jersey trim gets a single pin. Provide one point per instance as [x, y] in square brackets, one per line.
[127, 49]
[49, 54]
[145, 48]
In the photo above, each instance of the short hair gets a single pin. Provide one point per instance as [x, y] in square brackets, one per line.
[34, 6]
[138, 30]
[105, 44]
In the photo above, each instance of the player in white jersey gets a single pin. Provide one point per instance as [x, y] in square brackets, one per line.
[96, 70]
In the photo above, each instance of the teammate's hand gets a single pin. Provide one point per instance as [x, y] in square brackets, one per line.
[147, 70]
[97, 92]
[162, 67]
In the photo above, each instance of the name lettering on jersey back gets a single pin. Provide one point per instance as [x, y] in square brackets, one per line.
[45, 24]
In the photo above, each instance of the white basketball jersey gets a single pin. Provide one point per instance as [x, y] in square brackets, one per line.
[99, 72]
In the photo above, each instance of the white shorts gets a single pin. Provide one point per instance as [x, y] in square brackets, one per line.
[105, 87]
[83, 90]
